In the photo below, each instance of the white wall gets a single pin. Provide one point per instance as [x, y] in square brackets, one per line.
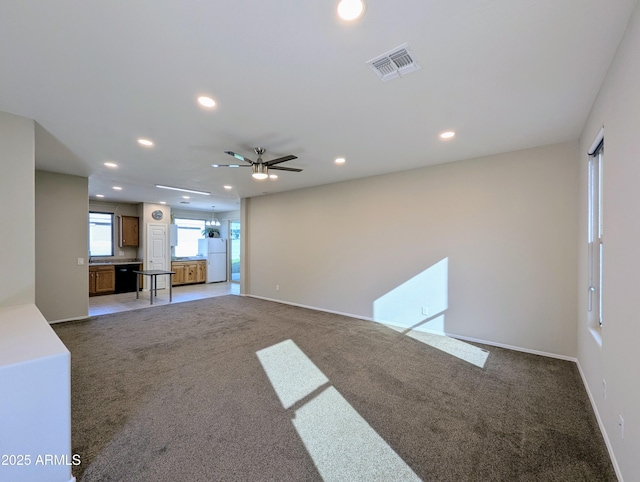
[17, 210]
[617, 358]
[35, 406]
[61, 239]
[506, 225]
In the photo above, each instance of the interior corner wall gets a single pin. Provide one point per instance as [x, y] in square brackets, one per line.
[504, 228]
[62, 206]
[616, 357]
[17, 210]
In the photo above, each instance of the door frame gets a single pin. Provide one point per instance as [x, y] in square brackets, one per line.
[167, 250]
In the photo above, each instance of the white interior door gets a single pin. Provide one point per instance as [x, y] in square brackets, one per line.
[157, 251]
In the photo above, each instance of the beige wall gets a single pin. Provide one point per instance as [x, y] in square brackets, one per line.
[616, 357]
[17, 210]
[505, 224]
[61, 203]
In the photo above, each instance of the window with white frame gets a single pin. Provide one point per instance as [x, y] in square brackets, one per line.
[100, 234]
[189, 232]
[594, 224]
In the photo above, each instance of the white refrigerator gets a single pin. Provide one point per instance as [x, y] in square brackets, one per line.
[215, 250]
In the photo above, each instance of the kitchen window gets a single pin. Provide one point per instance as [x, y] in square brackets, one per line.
[189, 232]
[100, 234]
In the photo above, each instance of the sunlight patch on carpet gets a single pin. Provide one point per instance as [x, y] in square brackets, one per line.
[290, 371]
[452, 346]
[341, 443]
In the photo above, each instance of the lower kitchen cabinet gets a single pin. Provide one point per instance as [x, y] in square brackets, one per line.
[188, 272]
[102, 280]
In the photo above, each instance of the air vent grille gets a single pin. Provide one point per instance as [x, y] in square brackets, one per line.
[395, 63]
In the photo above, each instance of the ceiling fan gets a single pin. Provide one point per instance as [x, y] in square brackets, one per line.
[260, 168]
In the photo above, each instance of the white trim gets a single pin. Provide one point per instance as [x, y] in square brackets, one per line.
[607, 442]
[596, 142]
[452, 335]
[68, 319]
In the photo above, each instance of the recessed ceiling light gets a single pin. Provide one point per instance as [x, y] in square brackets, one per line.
[186, 197]
[447, 135]
[273, 176]
[163, 202]
[340, 160]
[183, 190]
[117, 188]
[99, 195]
[350, 9]
[110, 164]
[228, 187]
[145, 142]
[205, 101]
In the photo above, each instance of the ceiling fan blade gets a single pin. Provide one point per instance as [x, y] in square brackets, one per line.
[279, 160]
[238, 156]
[292, 169]
[230, 165]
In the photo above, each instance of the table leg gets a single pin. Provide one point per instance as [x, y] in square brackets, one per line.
[151, 290]
[156, 277]
[170, 289]
[137, 286]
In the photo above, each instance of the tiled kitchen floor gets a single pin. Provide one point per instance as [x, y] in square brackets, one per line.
[102, 305]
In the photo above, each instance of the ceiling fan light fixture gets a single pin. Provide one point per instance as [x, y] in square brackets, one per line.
[260, 171]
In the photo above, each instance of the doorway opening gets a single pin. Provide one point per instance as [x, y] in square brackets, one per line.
[234, 250]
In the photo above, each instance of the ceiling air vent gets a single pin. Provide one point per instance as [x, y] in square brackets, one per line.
[395, 63]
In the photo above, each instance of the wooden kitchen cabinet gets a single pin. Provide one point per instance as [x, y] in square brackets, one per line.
[177, 278]
[202, 271]
[102, 280]
[129, 231]
[188, 272]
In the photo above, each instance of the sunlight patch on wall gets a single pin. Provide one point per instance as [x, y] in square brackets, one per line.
[405, 305]
[341, 443]
[416, 309]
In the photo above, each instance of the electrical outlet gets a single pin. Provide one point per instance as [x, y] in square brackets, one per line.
[80, 261]
[277, 287]
[604, 389]
[621, 424]
[425, 310]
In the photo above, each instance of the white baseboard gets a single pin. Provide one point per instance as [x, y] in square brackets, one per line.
[500, 345]
[68, 319]
[607, 442]
[452, 335]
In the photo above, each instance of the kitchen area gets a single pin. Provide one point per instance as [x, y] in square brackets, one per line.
[133, 237]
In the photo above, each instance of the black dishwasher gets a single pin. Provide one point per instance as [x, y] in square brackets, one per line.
[126, 278]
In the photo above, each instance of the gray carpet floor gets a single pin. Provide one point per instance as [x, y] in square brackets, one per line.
[241, 389]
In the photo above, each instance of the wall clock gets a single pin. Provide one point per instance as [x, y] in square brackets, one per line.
[157, 215]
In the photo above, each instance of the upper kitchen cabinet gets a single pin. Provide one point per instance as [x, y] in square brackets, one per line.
[129, 231]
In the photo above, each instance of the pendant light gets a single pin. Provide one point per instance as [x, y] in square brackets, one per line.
[213, 221]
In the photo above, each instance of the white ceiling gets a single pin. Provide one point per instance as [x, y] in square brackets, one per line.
[290, 76]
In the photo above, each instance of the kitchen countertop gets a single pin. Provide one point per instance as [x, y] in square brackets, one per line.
[114, 262]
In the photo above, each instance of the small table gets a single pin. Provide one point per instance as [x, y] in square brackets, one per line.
[153, 274]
